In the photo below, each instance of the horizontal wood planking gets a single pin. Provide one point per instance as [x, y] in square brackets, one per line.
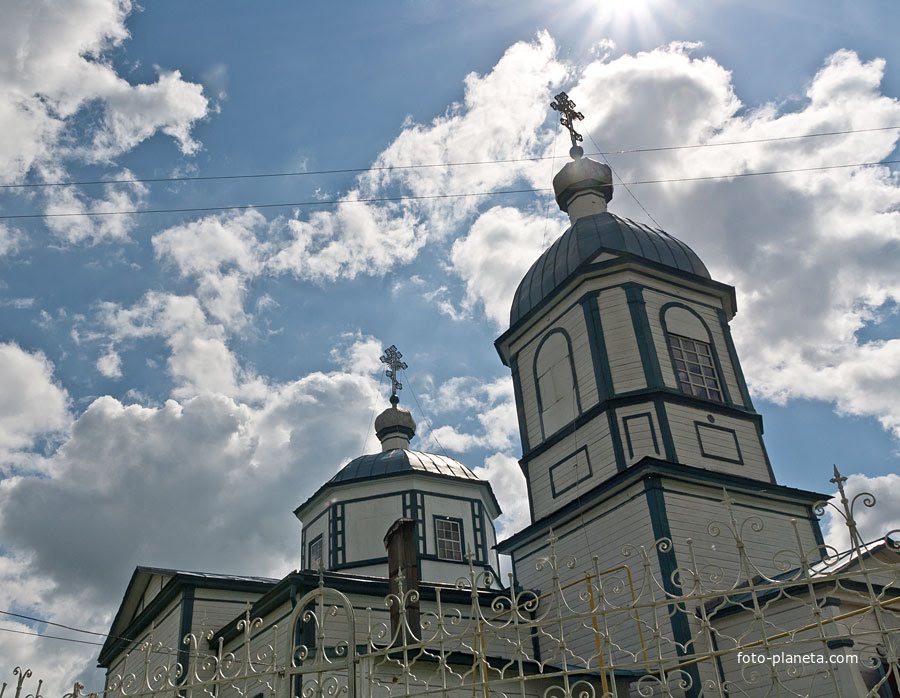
[596, 437]
[625, 364]
[690, 515]
[682, 421]
[572, 321]
[642, 441]
[601, 531]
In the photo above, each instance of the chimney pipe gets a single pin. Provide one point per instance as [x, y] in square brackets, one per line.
[400, 541]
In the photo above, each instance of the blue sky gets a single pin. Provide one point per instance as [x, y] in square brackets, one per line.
[199, 374]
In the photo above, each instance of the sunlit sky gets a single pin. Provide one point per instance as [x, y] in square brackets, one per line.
[154, 364]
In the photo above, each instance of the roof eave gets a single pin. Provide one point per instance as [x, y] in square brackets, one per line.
[590, 269]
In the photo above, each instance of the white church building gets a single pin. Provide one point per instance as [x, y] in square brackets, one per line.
[655, 552]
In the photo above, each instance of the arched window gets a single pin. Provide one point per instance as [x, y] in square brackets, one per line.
[557, 391]
[693, 357]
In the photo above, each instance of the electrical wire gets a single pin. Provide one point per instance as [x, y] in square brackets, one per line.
[624, 184]
[52, 637]
[424, 416]
[156, 650]
[389, 168]
[56, 625]
[372, 416]
[382, 199]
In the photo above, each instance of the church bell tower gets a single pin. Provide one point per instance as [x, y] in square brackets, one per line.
[634, 415]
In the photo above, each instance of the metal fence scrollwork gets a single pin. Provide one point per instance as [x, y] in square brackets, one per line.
[808, 623]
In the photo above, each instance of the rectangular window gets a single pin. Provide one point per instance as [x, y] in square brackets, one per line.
[315, 553]
[694, 368]
[449, 539]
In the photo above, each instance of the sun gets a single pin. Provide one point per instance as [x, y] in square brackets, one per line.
[632, 23]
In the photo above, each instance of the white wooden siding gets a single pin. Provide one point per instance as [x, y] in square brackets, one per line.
[213, 608]
[556, 383]
[602, 531]
[691, 508]
[167, 631]
[682, 423]
[572, 321]
[595, 436]
[621, 345]
[365, 524]
[740, 628]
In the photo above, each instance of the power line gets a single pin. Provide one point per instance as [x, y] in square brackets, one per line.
[764, 172]
[58, 625]
[384, 199]
[388, 168]
[156, 650]
[424, 416]
[621, 181]
[52, 637]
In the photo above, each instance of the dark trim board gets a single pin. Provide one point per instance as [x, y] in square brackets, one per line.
[665, 430]
[640, 415]
[714, 427]
[479, 534]
[597, 344]
[668, 564]
[652, 466]
[733, 356]
[175, 586]
[634, 293]
[635, 397]
[616, 438]
[765, 453]
[520, 403]
[578, 480]
[591, 269]
[337, 535]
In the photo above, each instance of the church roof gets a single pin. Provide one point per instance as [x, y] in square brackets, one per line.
[587, 238]
[400, 460]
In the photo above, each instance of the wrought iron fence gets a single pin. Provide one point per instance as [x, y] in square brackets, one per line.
[823, 623]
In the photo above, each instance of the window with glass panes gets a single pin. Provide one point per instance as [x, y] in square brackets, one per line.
[315, 553]
[449, 539]
[694, 368]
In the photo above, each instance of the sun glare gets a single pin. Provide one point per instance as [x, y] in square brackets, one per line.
[624, 21]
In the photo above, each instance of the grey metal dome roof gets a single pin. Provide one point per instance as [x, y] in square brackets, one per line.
[400, 460]
[588, 237]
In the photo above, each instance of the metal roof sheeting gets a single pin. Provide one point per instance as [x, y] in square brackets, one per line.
[402, 461]
[587, 238]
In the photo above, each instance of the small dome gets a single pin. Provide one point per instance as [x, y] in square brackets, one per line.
[582, 174]
[397, 461]
[395, 421]
[587, 238]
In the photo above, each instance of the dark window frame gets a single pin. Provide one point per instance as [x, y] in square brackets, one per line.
[309, 551]
[437, 538]
[694, 365]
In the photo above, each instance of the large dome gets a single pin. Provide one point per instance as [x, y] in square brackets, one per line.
[587, 238]
[399, 460]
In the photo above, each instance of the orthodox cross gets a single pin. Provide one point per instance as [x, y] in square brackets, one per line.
[392, 359]
[568, 117]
